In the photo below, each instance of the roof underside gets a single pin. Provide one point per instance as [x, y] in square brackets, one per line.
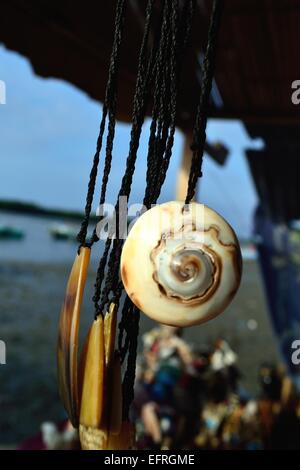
[256, 61]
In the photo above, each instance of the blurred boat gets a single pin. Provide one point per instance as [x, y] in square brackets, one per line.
[10, 233]
[68, 232]
[63, 232]
[249, 252]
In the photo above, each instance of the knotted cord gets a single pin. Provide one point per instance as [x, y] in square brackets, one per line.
[158, 75]
[199, 129]
[109, 107]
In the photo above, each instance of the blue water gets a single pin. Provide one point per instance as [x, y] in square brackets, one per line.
[37, 246]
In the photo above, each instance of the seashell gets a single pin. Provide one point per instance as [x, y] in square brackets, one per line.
[67, 347]
[92, 399]
[181, 265]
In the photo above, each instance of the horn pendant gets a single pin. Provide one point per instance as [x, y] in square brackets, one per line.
[110, 327]
[95, 391]
[68, 335]
[125, 440]
[181, 264]
[101, 424]
[92, 398]
[97, 439]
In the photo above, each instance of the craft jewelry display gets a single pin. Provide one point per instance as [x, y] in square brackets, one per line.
[181, 263]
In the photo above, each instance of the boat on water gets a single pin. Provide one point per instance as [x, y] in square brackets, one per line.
[68, 232]
[63, 232]
[249, 252]
[11, 233]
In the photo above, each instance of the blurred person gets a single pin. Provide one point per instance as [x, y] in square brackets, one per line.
[224, 372]
[165, 398]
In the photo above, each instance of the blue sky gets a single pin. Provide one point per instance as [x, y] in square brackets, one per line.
[48, 131]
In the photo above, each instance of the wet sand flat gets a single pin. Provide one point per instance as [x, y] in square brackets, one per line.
[30, 299]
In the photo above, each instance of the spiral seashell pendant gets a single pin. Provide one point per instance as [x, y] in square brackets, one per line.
[181, 264]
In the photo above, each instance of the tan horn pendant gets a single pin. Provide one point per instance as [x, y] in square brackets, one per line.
[92, 429]
[110, 326]
[67, 348]
[181, 265]
[92, 398]
[125, 440]
[100, 375]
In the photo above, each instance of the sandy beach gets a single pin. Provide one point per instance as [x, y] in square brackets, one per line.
[30, 299]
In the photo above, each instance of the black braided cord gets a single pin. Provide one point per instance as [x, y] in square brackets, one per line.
[138, 115]
[109, 107]
[199, 130]
[157, 83]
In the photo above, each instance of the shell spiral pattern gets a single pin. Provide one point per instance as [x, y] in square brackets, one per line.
[181, 265]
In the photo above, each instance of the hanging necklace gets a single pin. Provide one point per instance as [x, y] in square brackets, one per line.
[181, 262]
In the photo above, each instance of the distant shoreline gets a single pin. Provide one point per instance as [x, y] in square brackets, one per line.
[36, 210]
[25, 208]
